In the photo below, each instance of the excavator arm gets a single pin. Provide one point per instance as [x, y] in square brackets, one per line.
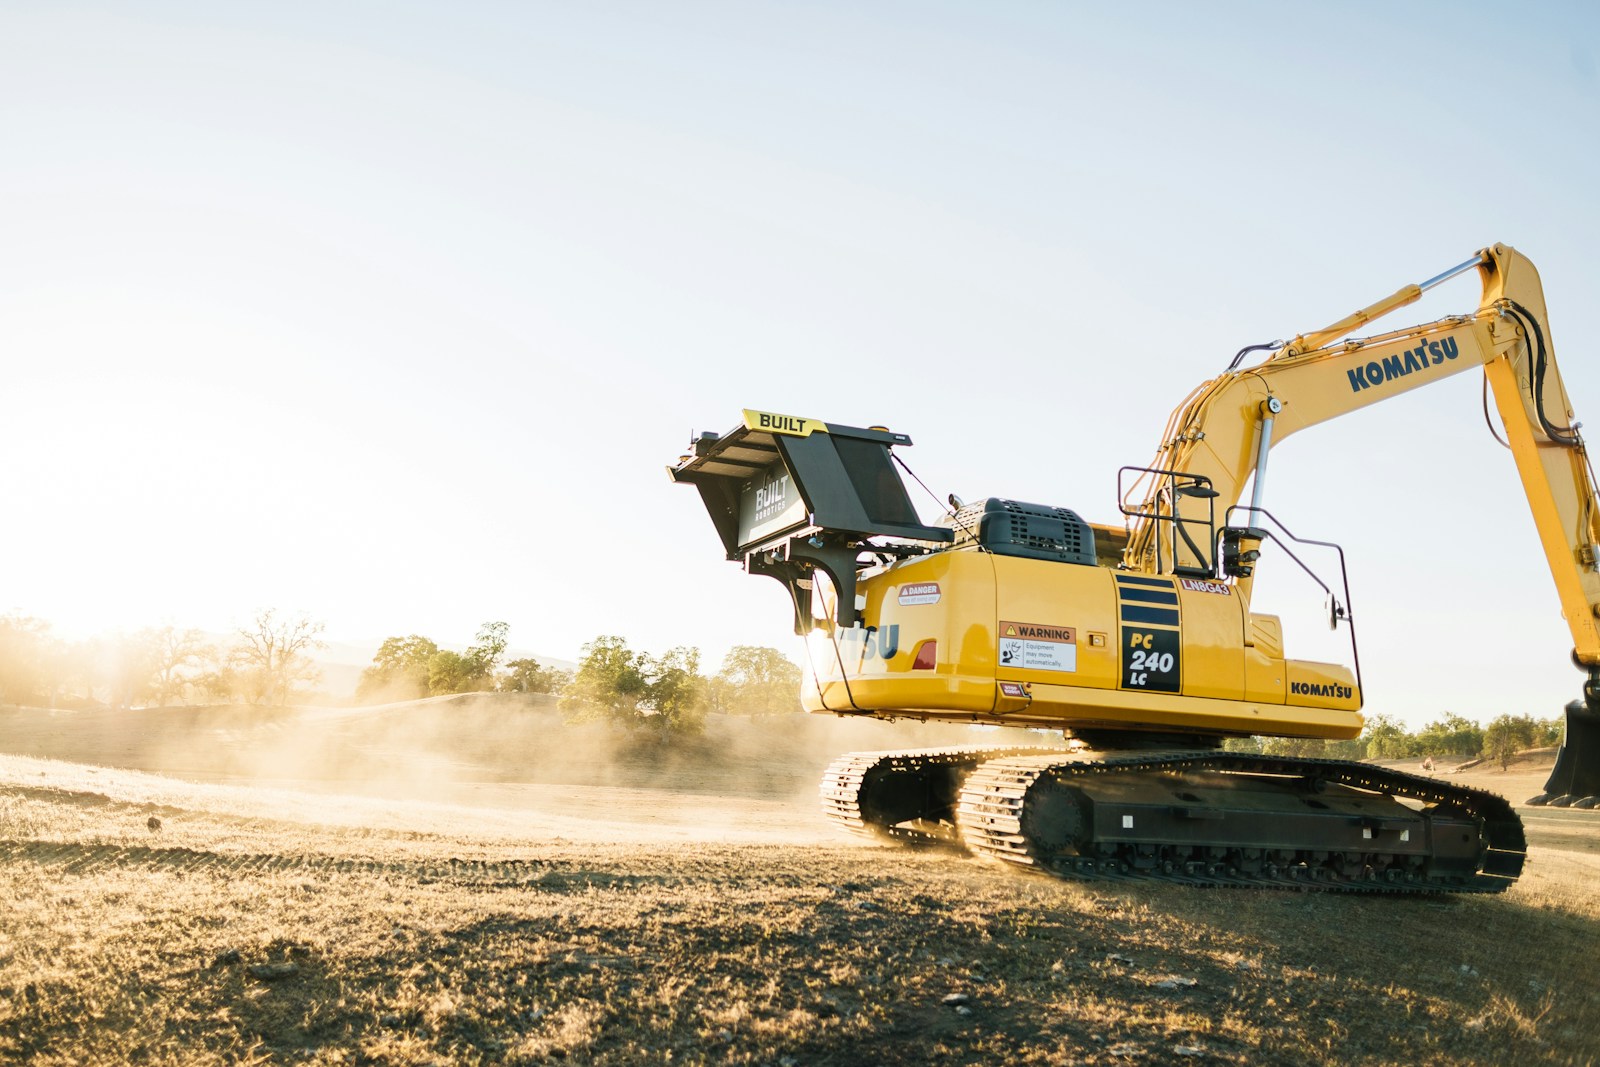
[1220, 438]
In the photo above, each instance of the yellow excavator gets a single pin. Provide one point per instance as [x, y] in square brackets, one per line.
[1137, 640]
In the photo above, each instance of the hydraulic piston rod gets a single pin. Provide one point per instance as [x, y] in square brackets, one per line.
[1398, 299]
[1269, 410]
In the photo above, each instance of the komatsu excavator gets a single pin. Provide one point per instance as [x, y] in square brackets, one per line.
[1137, 640]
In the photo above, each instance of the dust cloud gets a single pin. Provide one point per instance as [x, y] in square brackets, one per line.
[485, 763]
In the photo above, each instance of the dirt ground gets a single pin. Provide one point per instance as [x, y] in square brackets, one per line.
[472, 882]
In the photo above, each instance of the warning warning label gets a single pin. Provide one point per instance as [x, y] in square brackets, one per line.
[1036, 647]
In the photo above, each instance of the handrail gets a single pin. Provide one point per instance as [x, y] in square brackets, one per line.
[1340, 611]
[1195, 485]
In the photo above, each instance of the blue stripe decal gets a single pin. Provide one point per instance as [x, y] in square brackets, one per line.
[1136, 579]
[1148, 596]
[1154, 616]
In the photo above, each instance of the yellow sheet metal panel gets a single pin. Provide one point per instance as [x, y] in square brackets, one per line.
[1054, 622]
[1338, 726]
[1213, 639]
[1079, 707]
[1266, 635]
[947, 598]
[1034, 641]
[1264, 673]
[918, 697]
[1321, 685]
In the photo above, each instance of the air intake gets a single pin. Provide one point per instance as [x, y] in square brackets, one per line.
[1032, 531]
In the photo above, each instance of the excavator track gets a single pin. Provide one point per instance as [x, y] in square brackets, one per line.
[906, 795]
[1083, 818]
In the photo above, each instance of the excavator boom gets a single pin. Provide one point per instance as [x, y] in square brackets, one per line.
[1224, 430]
[1217, 433]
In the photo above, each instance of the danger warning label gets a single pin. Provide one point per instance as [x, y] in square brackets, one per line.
[920, 593]
[1037, 647]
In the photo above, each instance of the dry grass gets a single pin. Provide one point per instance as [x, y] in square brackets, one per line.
[277, 927]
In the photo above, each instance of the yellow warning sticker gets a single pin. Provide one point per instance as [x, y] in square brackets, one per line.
[1033, 631]
[1038, 647]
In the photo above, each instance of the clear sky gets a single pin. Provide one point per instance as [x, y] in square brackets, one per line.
[394, 313]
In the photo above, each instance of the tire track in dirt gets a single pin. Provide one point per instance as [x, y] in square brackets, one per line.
[74, 858]
[78, 798]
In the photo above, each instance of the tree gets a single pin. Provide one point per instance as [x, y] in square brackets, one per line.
[631, 689]
[1451, 736]
[1550, 732]
[755, 681]
[25, 651]
[272, 655]
[450, 672]
[1510, 734]
[609, 683]
[1352, 749]
[220, 683]
[406, 668]
[488, 647]
[1297, 747]
[400, 669]
[171, 651]
[527, 676]
[72, 668]
[1386, 739]
[676, 692]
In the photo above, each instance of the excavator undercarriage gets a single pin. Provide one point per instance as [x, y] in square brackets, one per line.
[1190, 816]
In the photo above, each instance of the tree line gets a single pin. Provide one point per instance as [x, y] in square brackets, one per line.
[669, 694]
[411, 667]
[268, 661]
[613, 683]
[1384, 737]
[265, 661]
